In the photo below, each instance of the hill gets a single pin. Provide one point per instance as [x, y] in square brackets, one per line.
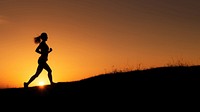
[162, 80]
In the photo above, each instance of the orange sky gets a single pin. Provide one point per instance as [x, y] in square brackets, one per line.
[91, 37]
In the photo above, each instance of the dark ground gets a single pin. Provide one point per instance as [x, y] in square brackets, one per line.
[170, 85]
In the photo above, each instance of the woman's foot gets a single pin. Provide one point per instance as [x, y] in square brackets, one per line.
[52, 83]
[25, 85]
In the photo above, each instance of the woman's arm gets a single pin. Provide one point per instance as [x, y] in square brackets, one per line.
[38, 50]
[50, 50]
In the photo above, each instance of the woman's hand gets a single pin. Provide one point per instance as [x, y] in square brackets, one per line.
[50, 50]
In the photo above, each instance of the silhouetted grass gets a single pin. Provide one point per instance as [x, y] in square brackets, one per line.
[145, 83]
[179, 63]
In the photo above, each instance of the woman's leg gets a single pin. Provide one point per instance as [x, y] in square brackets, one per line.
[39, 70]
[46, 67]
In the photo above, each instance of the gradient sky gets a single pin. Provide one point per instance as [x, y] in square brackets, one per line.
[91, 37]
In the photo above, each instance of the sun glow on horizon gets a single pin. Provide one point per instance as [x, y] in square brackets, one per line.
[41, 83]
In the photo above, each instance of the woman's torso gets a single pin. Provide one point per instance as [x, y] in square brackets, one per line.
[44, 51]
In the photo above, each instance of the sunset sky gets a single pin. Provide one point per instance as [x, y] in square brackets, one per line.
[92, 37]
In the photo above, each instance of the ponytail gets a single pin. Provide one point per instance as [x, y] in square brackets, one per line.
[43, 36]
[37, 39]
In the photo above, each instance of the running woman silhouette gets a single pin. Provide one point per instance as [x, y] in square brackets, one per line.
[44, 50]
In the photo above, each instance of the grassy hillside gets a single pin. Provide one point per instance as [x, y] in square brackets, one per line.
[154, 80]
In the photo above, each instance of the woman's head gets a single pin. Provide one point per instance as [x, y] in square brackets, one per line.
[43, 36]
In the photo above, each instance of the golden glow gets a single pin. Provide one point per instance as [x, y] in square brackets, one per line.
[41, 83]
[91, 37]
